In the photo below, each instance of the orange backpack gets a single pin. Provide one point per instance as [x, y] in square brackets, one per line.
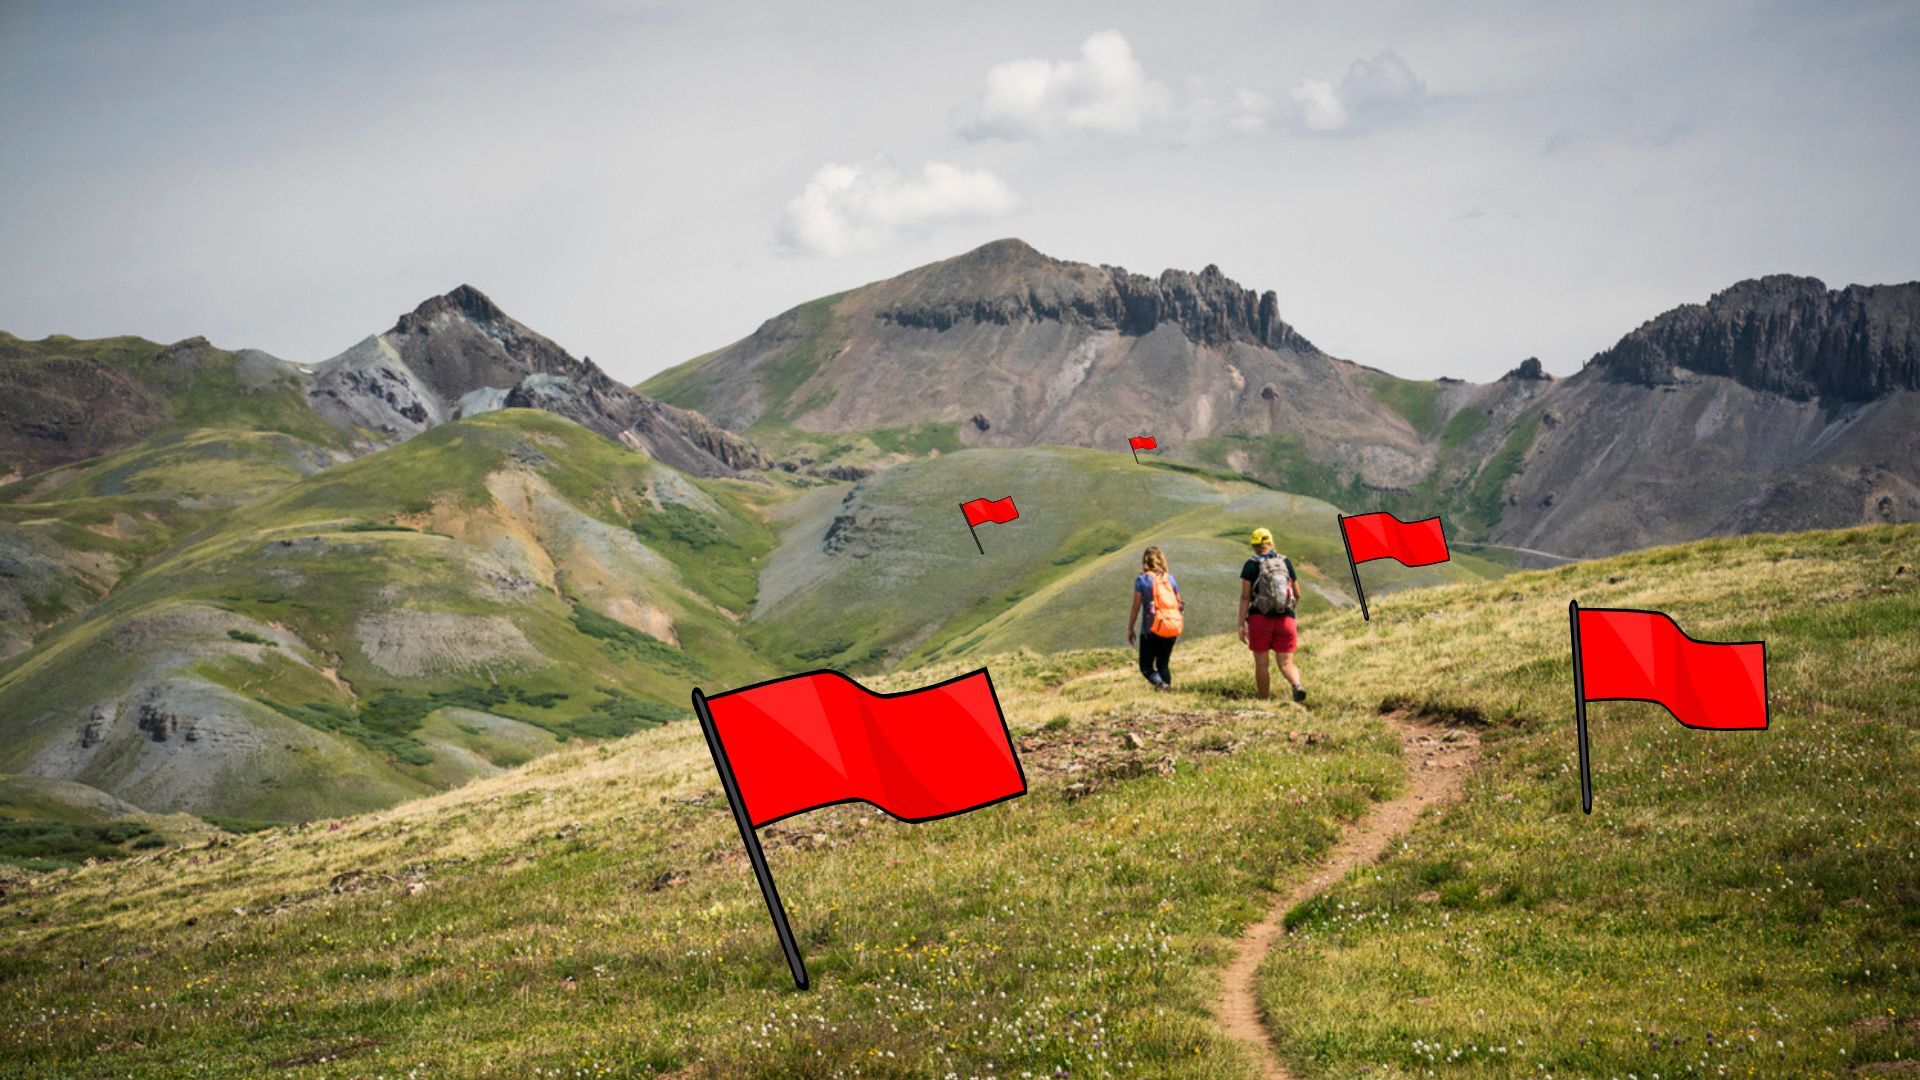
[1168, 619]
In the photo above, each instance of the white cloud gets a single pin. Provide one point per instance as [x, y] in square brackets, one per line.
[849, 208]
[1105, 90]
[1376, 91]
[1250, 110]
[1320, 107]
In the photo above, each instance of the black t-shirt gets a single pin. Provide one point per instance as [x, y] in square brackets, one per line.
[1251, 572]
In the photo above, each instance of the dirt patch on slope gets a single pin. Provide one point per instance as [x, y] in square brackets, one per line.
[412, 643]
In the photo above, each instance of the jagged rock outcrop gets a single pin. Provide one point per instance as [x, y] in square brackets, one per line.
[1529, 370]
[157, 722]
[1786, 335]
[459, 355]
[1208, 307]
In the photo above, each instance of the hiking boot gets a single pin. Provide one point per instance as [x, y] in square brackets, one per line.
[1162, 687]
[1299, 693]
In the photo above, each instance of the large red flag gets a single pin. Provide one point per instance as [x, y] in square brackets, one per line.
[810, 740]
[1383, 536]
[1630, 655]
[981, 511]
[1143, 442]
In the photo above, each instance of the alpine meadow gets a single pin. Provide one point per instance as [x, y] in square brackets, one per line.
[1460, 619]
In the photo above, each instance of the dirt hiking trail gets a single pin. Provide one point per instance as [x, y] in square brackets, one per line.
[1437, 760]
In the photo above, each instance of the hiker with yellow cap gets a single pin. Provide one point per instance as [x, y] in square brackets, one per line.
[1269, 592]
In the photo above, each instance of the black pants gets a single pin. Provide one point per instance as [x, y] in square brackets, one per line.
[1155, 651]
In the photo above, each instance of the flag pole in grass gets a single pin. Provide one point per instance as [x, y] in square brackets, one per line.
[1354, 567]
[1135, 453]
[1638, 655]
[752, 840]
[1580, 711]
[971, 529]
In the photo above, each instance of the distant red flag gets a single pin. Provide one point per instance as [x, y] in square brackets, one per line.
[1383, 536]
[981, 511]
[1143, 442]
[1628, 655]
[811, 740]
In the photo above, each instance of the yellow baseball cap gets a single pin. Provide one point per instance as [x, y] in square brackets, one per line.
[1260, 536]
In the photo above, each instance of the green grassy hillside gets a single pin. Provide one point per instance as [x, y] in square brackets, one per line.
[63, 399]
[392, 626]
[1738, 904]
[887, 571]
[68, 535]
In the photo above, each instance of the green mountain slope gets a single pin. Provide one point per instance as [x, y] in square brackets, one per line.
[1755, 887]
[65, 399]
[393, 626]
[68, 535]
[886, 571]
[126, 445]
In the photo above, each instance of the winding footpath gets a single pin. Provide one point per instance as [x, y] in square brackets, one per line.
[1437, 763]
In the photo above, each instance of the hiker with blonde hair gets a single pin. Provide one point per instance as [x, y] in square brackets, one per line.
[1162, 615]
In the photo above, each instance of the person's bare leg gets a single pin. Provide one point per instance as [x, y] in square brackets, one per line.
[1287, 669]
[1260, 676]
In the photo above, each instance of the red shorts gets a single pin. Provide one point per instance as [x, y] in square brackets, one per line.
[1272, 633]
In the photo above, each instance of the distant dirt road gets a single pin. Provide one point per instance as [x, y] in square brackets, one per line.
[1523, 551]
[1437, 769]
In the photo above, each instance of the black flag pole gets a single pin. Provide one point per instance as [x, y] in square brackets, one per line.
[752, 841]
[1580, 710]
[1135, 450]
[971, 529]
[1355, 568]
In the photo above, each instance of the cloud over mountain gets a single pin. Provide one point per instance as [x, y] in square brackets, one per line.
[849, 208]
[1376, 91]
[1103, 90]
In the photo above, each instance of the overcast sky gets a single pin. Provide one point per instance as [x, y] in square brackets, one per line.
[1435, 189]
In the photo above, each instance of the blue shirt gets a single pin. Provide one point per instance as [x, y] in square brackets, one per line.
[1143, 585]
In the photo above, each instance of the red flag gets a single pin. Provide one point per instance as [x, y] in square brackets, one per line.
[1631, 655]
[1143, 442]
[981, 511]
[808, 741]
[1383, 536]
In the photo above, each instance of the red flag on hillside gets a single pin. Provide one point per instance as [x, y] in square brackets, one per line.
[981, 511]
[807, 741]
[810, 740]
[1621, 654]
[1139, 443]
[1383, 536]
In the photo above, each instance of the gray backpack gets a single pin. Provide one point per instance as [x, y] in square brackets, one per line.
[1270, 588]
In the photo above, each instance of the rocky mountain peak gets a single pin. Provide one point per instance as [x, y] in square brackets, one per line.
[1528, 370]
[1783, 334]
[459, 354]
[1008, 282]
[465, 301]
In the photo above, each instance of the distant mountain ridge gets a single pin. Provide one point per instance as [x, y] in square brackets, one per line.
[1208, 307]
[455, 355]
[1777, 404]
[1784, 334]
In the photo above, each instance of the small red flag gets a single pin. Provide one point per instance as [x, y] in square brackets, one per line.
[1143, 442]
[1383, 536]
[981, 511]
[1629, 655]
[808, 741]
